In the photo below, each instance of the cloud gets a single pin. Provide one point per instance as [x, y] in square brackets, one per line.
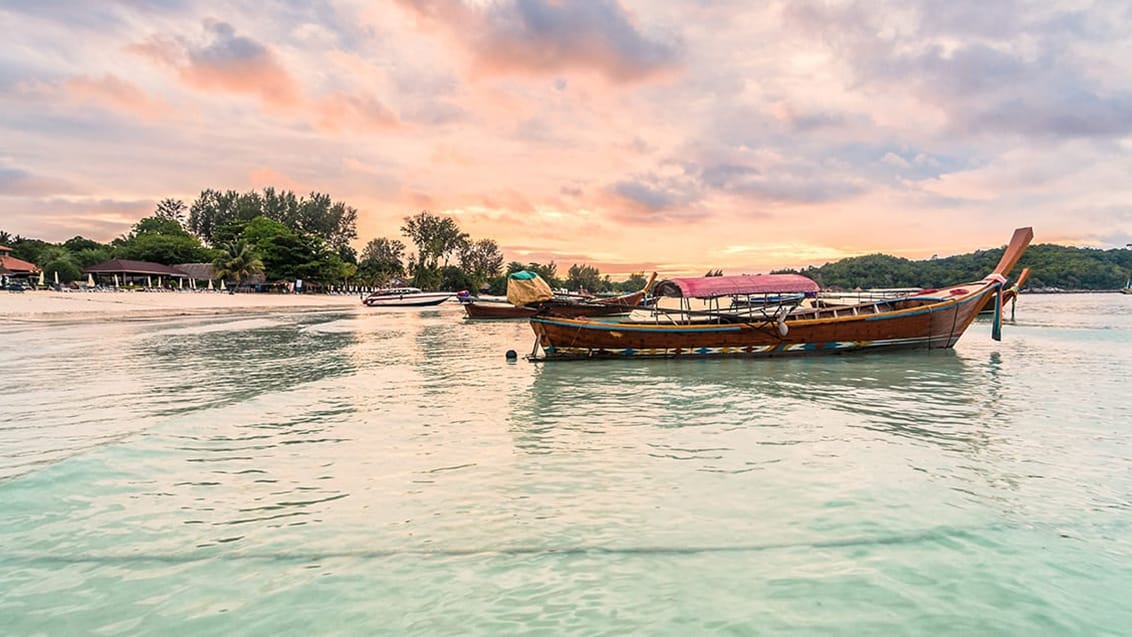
[342, 112]
[19, 183]
[61, 218]
[227, 62]
[546, 37]
[991, 69]
[114, 93]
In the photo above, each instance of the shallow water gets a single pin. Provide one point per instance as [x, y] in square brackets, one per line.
[388, 471]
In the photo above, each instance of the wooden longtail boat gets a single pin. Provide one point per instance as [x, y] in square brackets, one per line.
[561, 305]
[929, 320]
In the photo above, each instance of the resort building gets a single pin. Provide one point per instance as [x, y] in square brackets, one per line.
[13, 270]
[127, 273]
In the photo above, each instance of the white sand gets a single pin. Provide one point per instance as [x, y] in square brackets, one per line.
[41, 306]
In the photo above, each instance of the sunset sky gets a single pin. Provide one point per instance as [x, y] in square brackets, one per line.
[637, 135]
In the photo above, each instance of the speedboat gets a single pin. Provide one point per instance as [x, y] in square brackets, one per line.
[405, 297]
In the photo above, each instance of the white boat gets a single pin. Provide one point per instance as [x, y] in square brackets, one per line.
[1127, 289]
[405, 297]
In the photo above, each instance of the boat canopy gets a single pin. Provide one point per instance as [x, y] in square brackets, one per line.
[714, 286]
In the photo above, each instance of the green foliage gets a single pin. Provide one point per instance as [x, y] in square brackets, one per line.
[78, 244]
[381, 260]
[168, 249]
[482, 260]
[584, 278]
[238, 261]
[172, 209]
[65, 266]
[287, 254]
[454, 279]
[28, 249]
[436, 239]
[218, 217]
[1055, 266]
[160, 225]
[636, 281]
[87, 258]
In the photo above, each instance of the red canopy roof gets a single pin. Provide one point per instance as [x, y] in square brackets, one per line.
[12, 264]
[713, 286]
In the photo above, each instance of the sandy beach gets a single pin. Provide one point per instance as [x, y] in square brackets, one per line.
[44, 306]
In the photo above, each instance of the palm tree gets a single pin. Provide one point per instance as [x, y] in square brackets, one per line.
[239, 261]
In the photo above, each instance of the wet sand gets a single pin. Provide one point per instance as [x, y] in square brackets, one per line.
[43, 306]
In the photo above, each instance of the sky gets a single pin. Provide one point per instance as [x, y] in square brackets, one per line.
[632, 135]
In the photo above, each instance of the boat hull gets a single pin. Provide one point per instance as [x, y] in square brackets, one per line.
[408, 300]
[934, 326]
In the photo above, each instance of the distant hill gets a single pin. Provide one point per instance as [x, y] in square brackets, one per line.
[1051, 265]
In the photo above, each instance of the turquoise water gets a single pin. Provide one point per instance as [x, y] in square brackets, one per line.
[389, 472]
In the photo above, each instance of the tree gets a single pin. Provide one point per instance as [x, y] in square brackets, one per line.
[436, 239]
[78, 243]
[381, 260]
[160, 240]
[172, 209]
[584, 278]
[287, 254]
[481, 260]
[238, 261]
[454, 279]
[635, 282]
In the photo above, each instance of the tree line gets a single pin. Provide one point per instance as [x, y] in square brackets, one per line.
[286, 236]
[1051, 266]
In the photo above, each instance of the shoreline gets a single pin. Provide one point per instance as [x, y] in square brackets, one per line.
[44, 306]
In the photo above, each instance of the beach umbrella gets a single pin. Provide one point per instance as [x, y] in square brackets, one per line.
[180, 284]
[222, 288]
[56, 274]
[148, 281]
[193, 283]
[158, 281]
[41, 277]
[210, 284]
[115, 280]
[90, 280]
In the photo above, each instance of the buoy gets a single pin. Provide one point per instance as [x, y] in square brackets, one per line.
[511, 355]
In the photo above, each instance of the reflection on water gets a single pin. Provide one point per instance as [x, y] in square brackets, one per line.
[362, 471]
[931, 396]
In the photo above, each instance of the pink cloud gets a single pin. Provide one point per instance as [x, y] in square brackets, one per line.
[263, 177]
[227, 62]
[114, 93]
[342, 112]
